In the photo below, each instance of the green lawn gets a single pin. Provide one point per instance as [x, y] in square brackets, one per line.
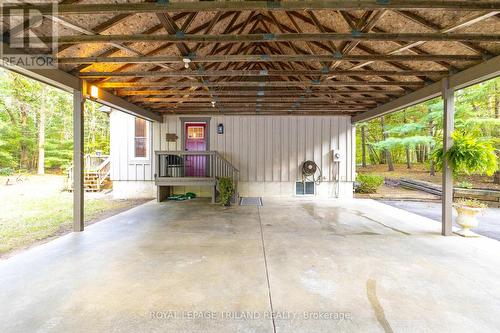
[38, 209]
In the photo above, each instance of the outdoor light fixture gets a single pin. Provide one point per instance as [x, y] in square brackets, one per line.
[213, 104]
[94, 92]
[220, 129]
[186, 62]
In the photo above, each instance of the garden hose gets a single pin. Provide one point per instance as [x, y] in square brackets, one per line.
[309, 169]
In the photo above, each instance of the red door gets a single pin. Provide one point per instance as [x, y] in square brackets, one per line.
[196, 140]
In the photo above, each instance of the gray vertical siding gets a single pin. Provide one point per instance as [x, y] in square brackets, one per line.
[272, 148]
[264, 149]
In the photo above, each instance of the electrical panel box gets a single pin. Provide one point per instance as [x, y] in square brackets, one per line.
[336, 155]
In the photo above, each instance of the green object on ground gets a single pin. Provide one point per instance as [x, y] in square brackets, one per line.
[182, 197]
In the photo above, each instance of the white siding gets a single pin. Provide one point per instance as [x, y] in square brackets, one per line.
[272, 148]
[124, 166]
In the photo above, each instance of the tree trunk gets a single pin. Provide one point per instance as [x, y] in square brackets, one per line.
[432, 167]
[408, 164]
[388, 156]
[407, 149]
[374, 159]
[24, 162]
[41, 139]
[496, 178]
[363, 146]
[497, 103]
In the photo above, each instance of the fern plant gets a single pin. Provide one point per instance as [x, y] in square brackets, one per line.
[226, 190]
[468, 155]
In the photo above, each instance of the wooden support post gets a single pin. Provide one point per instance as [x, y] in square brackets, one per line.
[214, 194]
[163, 192]
[78, 192]
[447, 187]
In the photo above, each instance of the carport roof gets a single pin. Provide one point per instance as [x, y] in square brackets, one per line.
[264, 57]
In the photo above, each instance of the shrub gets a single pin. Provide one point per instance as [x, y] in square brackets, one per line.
[226, 190]
[464, 184]
[368, 183]
[6, 171]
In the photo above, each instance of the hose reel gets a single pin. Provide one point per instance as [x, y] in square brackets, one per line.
[309, 169]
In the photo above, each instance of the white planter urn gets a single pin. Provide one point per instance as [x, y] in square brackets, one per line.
[467, 219]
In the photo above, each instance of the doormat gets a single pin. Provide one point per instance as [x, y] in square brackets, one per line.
[251, 201]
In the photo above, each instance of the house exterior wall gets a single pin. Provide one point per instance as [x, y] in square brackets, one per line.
[268, 151]
[132, 177]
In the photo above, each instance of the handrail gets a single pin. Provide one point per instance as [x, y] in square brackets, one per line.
[194, 153]
[200, 164]
[102, 170]
[222, 158]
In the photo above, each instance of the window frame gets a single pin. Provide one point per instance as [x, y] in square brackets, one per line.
[203, 130]
[146, 139]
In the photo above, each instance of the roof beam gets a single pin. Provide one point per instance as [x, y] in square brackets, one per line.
[70, 83]
[476, 74]
[264, 73]
[411, 46]
[265, 37]
[248, 99]
[199, 6]
[233, 84]
[264, 104]
[476, 18]
[248, 92]
[268, 58]
[241, 112]
[347, 109]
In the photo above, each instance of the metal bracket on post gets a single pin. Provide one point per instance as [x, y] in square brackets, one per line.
[448, 126]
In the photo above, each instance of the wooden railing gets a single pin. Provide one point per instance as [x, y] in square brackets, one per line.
[98, 166]
[194, 165]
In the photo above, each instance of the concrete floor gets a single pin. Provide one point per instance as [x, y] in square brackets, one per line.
[489, 219]
[197, 267]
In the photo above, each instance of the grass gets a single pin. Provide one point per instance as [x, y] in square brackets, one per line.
[31, 213]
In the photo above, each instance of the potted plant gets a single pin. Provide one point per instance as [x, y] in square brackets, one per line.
[226, 190]
[467, 210]
[469, 154]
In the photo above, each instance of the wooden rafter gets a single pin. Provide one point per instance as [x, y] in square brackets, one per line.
[79, 9]
[273, 57]
[265, 73]
[268, 58]
[179, 38]
[258, 84]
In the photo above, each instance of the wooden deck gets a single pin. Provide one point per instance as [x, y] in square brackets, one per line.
[216, 167]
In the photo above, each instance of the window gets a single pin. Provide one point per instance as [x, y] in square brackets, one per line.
[140, 138]
[196, 132]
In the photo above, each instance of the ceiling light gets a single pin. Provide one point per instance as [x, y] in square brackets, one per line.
[94, 92]
[186, 62]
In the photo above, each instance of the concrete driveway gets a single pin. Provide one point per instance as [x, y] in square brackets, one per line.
[318, 266]
[489, 219]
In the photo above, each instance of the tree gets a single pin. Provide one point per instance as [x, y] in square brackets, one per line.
[363, 146]
[409, 135]
[36, 125]
[41, 137]
[387, 150]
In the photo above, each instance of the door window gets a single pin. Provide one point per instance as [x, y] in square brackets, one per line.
[196, 132]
